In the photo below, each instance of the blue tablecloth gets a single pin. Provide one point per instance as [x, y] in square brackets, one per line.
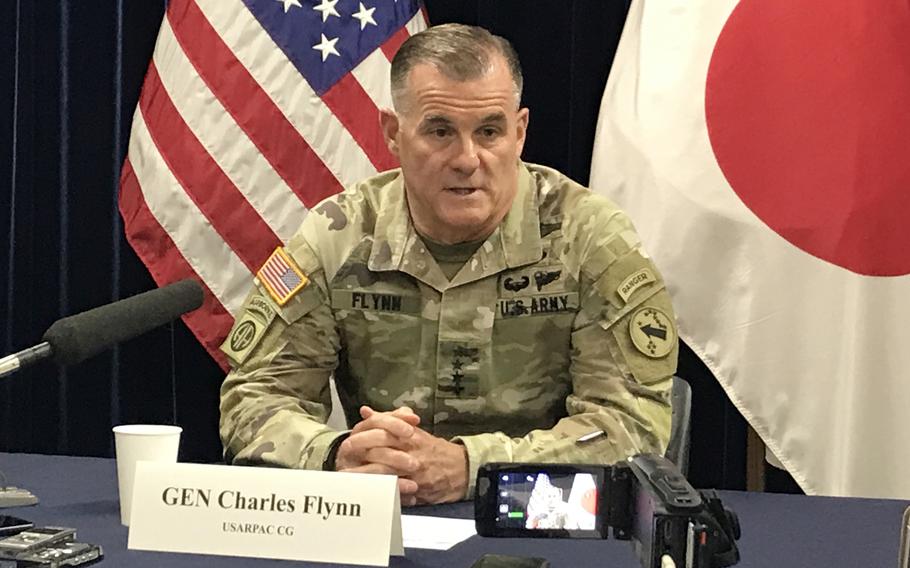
[778, 530]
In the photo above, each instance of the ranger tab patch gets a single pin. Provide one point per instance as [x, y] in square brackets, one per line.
[281, 277]
[631, 284]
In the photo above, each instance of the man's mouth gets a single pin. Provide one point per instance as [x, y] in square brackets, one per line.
[462, 190]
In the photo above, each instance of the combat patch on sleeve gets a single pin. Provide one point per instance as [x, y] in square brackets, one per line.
[280, 277]
[653, 332]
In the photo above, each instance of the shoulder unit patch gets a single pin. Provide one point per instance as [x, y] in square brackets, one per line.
[653, 332]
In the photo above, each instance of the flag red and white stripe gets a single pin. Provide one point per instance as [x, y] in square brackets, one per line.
[243, 125]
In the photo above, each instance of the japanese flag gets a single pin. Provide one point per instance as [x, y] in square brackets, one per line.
[763, 149]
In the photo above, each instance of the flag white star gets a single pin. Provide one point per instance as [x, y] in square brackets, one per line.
[289, 3]
[365, 16]
[327, 47]
[327, 7]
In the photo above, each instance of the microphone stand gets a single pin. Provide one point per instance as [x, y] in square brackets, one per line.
[13, 496]
[12, 363]
[135, 315]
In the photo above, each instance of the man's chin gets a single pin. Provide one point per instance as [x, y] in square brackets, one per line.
[461, 230]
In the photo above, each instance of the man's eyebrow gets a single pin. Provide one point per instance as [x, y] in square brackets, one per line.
[435, 120]
[496, 117]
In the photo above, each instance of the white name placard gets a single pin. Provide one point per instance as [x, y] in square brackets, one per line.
[266, 513]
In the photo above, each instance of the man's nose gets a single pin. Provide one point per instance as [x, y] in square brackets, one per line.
[466, 159]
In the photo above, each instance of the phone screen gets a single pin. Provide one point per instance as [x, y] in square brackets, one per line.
[549, 501]
[13, 525]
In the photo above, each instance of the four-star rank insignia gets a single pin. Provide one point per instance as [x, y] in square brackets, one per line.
[653, 332]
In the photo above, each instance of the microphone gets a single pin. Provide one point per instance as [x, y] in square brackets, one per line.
[75, 338]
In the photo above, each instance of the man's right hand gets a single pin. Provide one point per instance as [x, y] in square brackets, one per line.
[377, 445]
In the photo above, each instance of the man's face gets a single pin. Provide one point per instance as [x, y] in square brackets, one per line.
[459, 145]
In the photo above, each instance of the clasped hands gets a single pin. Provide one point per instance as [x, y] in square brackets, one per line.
[429, 469]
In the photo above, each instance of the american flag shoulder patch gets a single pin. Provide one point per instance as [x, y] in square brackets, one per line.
[281, 277]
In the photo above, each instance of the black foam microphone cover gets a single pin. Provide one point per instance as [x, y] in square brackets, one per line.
[78, 337]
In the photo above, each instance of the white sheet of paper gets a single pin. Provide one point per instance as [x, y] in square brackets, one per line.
[435, 533]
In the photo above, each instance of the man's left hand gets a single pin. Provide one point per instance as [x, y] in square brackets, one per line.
[443, 473]
[442, 476]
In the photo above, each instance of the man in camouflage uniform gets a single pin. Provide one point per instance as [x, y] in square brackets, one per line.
[471, 307]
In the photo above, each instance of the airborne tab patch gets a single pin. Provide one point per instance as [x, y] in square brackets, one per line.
[281, 277]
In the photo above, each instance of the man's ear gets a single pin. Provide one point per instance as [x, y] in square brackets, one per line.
[521, 129]
[388, 122]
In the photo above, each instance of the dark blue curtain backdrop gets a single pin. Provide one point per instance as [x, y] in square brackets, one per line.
[70, 74]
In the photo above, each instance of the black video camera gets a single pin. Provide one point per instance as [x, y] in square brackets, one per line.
[645, 499]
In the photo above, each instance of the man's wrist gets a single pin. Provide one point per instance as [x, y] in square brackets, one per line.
[328, 464]
[466, 472]
[458, 471]
[481, 449]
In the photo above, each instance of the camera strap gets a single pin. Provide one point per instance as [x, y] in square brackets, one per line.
[726, 528]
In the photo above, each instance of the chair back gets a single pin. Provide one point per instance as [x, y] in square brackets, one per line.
[680, 425]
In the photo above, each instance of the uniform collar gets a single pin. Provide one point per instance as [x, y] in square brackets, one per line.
[519, 232]
[515, 242]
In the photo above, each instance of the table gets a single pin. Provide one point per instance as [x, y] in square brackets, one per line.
[778, 530]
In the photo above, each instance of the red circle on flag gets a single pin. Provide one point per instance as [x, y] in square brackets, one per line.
[808, 111]
[589, 501]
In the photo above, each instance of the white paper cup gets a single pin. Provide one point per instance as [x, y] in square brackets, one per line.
[141, 442]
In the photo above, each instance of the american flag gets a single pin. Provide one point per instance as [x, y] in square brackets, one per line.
[252, 111]
[280, 277]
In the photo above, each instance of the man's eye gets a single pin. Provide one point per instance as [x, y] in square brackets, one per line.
[489, 132]
[435, 131]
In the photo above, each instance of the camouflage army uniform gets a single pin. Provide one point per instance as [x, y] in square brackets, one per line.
[558, 328]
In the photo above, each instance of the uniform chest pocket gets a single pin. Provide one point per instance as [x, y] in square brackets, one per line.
[386, 325]
[540, 324]
[532, 338]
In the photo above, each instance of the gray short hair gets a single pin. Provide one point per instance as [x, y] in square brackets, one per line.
[459, 52]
